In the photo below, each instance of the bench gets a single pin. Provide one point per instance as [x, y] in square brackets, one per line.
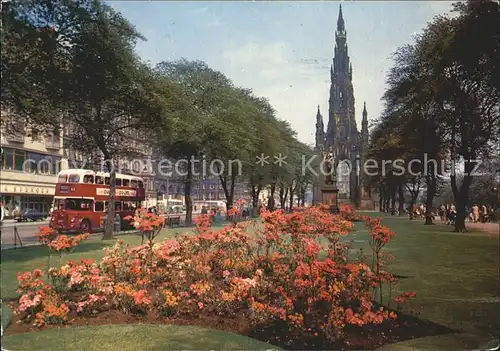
[171, 221]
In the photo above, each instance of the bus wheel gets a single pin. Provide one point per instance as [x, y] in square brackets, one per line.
[86, 226]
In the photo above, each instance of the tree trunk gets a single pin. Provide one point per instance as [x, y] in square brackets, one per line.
[380, 200]
[412, 205]
[255, 199]
[187, 195]
[387, 202]
[461, 195]
[270, 203]
[110, 217]
[393, 201]
[401, 200]
[302, 196]
[431, 191]
[290, 200]
[229, 193]
[283, 196]
[228, 189]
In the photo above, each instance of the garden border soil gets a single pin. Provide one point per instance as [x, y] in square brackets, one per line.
[368, 337]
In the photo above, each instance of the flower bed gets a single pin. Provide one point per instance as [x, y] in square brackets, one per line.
[295, 274]
[348, 213]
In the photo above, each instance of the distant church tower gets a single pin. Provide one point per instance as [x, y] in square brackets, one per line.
[342, 136]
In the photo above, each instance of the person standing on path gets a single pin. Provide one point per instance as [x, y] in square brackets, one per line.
[475, 213]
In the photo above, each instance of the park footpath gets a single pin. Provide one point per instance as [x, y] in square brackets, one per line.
[490, 228]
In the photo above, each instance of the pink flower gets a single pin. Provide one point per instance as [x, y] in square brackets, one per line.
[76, 278]
[201, 305]
[25, 302]
[140, 298]
[226, 273]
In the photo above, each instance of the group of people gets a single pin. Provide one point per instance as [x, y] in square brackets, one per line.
[447, 214]
[479, 214]
[475, 214]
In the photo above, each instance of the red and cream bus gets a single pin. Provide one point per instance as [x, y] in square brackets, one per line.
[81, 200]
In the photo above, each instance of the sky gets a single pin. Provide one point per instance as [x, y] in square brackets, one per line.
[283, 50]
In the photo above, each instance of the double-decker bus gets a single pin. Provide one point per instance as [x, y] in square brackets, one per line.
[81, 200]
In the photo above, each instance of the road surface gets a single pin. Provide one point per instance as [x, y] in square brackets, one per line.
[27, 232]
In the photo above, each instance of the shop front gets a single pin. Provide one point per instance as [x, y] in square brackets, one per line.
[21, 197]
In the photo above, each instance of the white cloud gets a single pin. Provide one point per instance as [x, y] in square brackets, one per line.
[440, 7]
[294, 87]
[199, 10]
[215, 22]
[268, 70]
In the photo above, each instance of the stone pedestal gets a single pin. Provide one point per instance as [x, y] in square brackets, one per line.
[329, 194]
[366, 202]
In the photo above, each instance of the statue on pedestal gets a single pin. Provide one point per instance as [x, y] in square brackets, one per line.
[329, 160]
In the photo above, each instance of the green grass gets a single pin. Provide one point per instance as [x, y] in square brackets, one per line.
[32, 257]
[132, 337]
[455, 276]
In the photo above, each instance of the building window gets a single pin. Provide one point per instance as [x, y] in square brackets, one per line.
[222, 196]
[19, 159]
[53, 140]
[203, 186]
[8, 158]
[220, 186]
[13, 159]
[212, 186]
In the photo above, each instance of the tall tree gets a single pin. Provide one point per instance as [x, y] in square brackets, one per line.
[95, 83]
[266, 144]
[463, 74]
[202, 90]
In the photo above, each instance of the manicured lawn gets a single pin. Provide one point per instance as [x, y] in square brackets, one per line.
[455, 276]
[132, 337]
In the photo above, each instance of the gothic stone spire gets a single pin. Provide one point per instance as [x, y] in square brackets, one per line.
[340, 21]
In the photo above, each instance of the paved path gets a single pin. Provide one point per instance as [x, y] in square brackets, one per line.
[26, 232]
[490, 228]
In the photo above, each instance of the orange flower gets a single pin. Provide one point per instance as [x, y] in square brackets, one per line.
[46, 235]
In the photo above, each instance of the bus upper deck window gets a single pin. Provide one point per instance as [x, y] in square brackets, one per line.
[141, 185]
[126, 182]
[88, 178]
[62, 179]
[118, 182]
[73, 178]
[133, 183]
[106, 180]
[99, 180]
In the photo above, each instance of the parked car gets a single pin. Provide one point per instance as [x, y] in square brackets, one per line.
[31, 215]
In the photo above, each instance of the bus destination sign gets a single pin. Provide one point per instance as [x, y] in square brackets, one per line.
[119, 192]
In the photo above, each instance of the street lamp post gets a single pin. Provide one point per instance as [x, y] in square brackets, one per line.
[357, 194]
